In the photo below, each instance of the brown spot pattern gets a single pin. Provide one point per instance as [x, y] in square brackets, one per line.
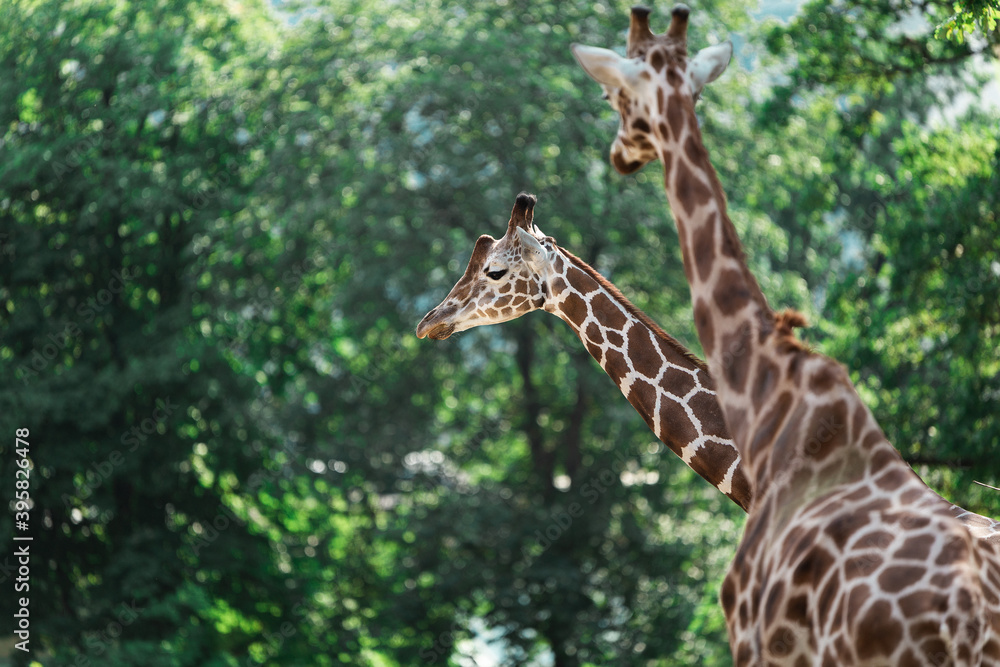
[690, 189]
[593, 332]
[675, 119]
[615, 365]
[712, 456]
[664, 135]
[612, 314]
[695, 152]
[767, 378]
[622, 166]
[862, 566]
[797, 609]
[954, 550]
[891, 479]
[878, 633]
[811, 569]
[824, 604]
[728, 596]
[657, 61]
[822, 380]
[871, 439]
[731, 294]
[856, 599]
[575, 309]
[770, 423]
[736, 357]
[703, 324]
[640, 348]
[828, 430]
[642, 396]
[897, 577]
[739, 427]
[706, 404]
[781, 642]
[842, 528]
[680, 383]
[704, 250]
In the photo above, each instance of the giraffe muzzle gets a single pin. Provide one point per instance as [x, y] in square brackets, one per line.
[433, 327]
[439, 332]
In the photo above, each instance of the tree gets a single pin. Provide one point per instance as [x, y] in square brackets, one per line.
[129, 148]
[907, 200]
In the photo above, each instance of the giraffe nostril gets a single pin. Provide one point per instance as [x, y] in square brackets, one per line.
[423, 326]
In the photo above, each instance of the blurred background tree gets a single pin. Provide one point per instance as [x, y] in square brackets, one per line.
[219, 225]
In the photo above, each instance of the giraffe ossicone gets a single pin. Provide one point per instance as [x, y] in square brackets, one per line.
[847, 557]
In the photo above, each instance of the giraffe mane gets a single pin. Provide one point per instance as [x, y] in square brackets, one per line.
[633, 310]
[785, 324]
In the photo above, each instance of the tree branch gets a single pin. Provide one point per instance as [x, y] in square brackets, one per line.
[957, 464]
[532, 409]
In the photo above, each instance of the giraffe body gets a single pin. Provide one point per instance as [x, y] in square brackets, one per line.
[847, 558]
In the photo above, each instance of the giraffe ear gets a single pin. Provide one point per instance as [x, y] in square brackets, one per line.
[531, 250]
[708, 64]
[608, 68]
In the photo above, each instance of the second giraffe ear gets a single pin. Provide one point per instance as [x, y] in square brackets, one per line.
[608, 68]
[531, 250]
[708, 64]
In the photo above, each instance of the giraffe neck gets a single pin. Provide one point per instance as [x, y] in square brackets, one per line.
[712, 253]
[664, 382]
[753, 353]
[731, 315]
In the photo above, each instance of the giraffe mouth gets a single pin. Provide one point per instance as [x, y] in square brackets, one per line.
[441, 331]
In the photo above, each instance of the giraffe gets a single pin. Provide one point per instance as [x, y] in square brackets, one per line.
[668, 385]
[847, 558]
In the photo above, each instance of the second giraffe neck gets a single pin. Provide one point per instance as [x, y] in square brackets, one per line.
[730, 312]
[707, 235]
[752, 352]
[664, 382]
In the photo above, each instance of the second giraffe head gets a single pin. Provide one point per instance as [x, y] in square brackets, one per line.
[505, 279]
[654, 88]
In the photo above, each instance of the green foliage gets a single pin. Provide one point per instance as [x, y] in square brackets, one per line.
[970, 16]
[870, 44]
[123, 177]
[219, 225]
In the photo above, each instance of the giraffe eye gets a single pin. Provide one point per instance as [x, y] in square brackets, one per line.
[496, 275]
[605, 96]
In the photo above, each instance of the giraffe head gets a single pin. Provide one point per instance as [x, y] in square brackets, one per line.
[655, 87]
[505, 279]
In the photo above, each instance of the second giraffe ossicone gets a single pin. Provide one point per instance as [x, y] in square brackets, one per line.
[847, 557]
